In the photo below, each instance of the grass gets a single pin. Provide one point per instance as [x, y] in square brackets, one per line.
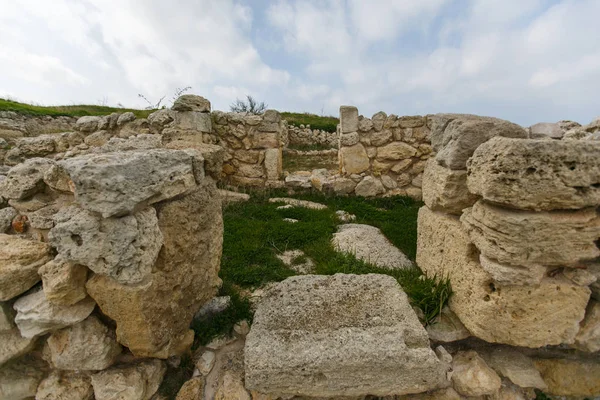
[327, 124]
[299, 162]
[255, 232]
[309, 147]
[70, 111]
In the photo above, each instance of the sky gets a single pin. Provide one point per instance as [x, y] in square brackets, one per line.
[527, 61]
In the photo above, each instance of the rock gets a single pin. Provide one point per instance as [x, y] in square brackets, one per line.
[349, 139]
[581, 277]
[388, 182]
[213, 155]
[39, 146]
[206, 362]
[37, 316]
[242, 328]
[381, 138]
[537, 174]
[588, 338]
[132, 143]
[61, 385]
[153, 317]
[129, 382]
[229, 197]
[515, 366]
[543, 130]
[456, 136]
[14, 345]
[88, 346]
[548, 314]
[26, 179]
[7, 317]
[87, 123]
[20, 380]
[273, 163]
[396, 151]
[114, 184]
[191, 102]
[446, 189]
[298, 180]
[442, 394]
[570, 377]
[341, 185]
[348, 119]
[20, 260]
[123, 248]
[369, 187]
[232, 387]
[99, 138]
[354, 159]
[63, 282]
[125, 118]
[472, 377]
[367, 243]
[508, 391]
[215, 306]
[345, 217]
[192, 390]
[297, 261]
[290, 220]
[6, 217]
[193, 121]
[43, 218]
[527, 238]
[298, 203]
[340, 335]
[505, 274]
[447, 328]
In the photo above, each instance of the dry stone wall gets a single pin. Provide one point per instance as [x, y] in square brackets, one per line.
[305, 136]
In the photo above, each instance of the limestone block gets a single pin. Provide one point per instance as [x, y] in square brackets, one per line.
[7, 317]
[60, 385]
[192, 390]
[6, 217]
[471, 375]
[37, 316]
[381, 138]
[137, 142]
[265, 140]
[125, 118]
[19, 262]
[38, 146]
[543, 130]
[153, 317]
[213, 155]
[570, 377]
[369, 244]
[343, 185]
[348, 119]
[193, 120]
[87, 123]
[14, 345]
[251, 170]
[340, 335]
[273, 163]
[445, 189]
[130, 381]
[114, 184]
[191, 102]
[43, 218]
[527, 238]
[537, 174]
[124, 248]
[349, 139]
[20, 380]
[231, 387]
[88, 346]
[515, 366]
[507, 274]
[354, 159]
[396, 151]
[63, 282]
[298, 203]
[369, 187]
[26, 179]
[548, 314]
[588, 338]
[447, 327]
[456, 136]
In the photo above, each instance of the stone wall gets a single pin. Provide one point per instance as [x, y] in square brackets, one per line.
[104, 259]
[512, 223]
[14, 125]
[305, 136]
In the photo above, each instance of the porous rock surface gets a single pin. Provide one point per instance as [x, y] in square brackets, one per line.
[369, 244]
[136, 382]
[445, 189]
[340, 335]
[537, 174]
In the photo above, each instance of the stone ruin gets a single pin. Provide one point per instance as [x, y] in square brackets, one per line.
[111, 239]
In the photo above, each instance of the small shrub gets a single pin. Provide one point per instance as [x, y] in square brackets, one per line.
[250, 105]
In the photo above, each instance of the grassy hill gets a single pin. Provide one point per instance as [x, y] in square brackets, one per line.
[327, 124]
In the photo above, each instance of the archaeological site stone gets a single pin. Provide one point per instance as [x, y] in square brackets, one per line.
[62, 385]
[20, 380]
[354, 159]
[129, 382]
[570, 377]
[26, 179]
[588, 338]
[369, 187]
[14, 345]
[349, 119]
[471, 376]
[515, 366]
[340, 335]
[446, 189]
[63, 282]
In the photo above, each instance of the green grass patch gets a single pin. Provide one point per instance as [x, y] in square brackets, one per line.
[69, 111]
[309, 147]
[327, 124]
[299, 162]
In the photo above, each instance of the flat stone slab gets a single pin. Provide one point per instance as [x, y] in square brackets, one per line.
[340, 335]
[367, 243]
[537, 174]
[298, 203]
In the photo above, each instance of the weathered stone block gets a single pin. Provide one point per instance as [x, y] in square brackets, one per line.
[369, 187]
[131, 382]
[537, 174]
[26, 179]
[548, 314]
[446, 189]
[341, 335]
[588, 338]
[63, 282]
[527, 238]
[508, 274]
[471, 375]
[193, 120]
[354, 159]
[20, 380]
[396, 151]
[191, 102]
[348, 119]
[273, 163]
[61, 385]
[543, 130]
[570, 377]
[14, 345]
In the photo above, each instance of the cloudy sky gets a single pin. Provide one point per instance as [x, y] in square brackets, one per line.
[523, 60]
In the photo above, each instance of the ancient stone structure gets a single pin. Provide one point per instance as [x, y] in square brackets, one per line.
[107, 258]
[305, 136]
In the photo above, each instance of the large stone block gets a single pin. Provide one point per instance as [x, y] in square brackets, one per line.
[565, 377]
[396, 151]
[63, 282]
[445, 189]
[115, 184]
[548, 314]
[190, 102]
[456, 136]
[273, 164]
[349, 119]
[61, 385]
[193, 120]
[341, 335]
[124, 248]
[129, 382]
[527, 238]
[20, 260]
[153, 317]
[354, 159]
[537, 174]
[588, 338]
[20, 380]
[14, 345]
[26, 179]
